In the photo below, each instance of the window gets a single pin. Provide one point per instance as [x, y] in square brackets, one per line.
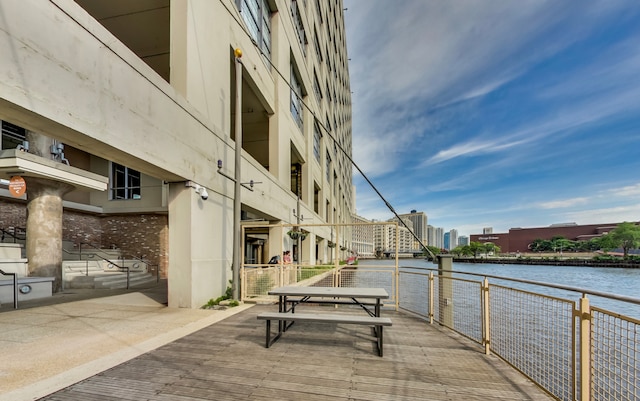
[296, 98]
[316, 141]
[125, 182]
[12, 136]
[328, 167]
[257, 16]
[316, 43]
[297, 23]
[316, 87]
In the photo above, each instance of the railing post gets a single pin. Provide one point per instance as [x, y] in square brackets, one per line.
[585, 349]
[486, 327]
[15, 291]
[431, 297]
[445, 285]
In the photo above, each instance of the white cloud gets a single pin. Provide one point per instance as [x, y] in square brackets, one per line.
[564, 203]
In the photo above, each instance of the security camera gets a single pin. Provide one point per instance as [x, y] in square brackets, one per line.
[200, 190]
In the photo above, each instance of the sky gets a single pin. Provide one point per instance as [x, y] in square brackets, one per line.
[496, 113]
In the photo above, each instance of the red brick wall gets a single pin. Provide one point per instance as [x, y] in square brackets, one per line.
[145, 235]
[80, 227]
[13, 214]
[134, 235]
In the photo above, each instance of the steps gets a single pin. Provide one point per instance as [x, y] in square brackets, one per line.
[100, 274]
[108, 280]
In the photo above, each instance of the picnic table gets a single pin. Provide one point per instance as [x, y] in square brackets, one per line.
[291, 296]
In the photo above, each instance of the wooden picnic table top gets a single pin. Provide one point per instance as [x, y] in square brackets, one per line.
[344, 292]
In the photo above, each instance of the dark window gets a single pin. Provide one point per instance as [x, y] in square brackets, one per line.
[125, 182]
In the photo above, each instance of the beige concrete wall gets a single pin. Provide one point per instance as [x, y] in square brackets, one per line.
[66, 76]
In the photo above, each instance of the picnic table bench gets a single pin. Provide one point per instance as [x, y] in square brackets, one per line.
[286, 315]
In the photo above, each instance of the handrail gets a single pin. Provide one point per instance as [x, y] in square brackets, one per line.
[15, 287]
[540, 283]
[13, 234]
[156, 266]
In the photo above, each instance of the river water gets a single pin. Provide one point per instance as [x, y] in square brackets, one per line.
[616, 281]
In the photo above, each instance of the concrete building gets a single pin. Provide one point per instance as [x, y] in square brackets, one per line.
[463, 240]
[439, 237]
[419, 221]
[453, 238]
[362, 242]
[121, 117]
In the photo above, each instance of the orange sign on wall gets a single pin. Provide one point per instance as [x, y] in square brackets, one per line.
[17, 186]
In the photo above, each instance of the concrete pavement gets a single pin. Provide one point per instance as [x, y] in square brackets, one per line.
[49, 344]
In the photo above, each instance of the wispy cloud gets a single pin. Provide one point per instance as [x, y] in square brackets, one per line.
[496, 111]
[564, 203]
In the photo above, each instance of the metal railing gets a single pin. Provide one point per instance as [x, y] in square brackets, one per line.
[15, 287]
[14, 234]
[571, 350]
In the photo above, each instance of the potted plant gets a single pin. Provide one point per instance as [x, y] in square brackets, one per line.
[294, 234]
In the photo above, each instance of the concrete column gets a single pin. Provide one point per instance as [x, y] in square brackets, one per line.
[44, 228]
[445, 289]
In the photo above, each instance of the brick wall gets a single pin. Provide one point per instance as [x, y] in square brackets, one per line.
[134, 235]
[145, 235]
[13, 214]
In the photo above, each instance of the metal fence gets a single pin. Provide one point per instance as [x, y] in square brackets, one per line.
[571, 350]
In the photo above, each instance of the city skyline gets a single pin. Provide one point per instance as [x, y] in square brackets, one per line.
[496, 114]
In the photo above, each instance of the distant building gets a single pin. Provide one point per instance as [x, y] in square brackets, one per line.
[419, 221]
[463, 240]
[447, 243]
[453, 238]
[520, 239]
[439, 240]
[362, 241]
[431, 235]
[487, 230]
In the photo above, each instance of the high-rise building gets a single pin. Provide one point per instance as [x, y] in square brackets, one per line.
[487, 230]
[363, 237]
[447, 243]
[131, 110]
[463, 240]
[439, 237]
[453, 238]
[419, 221]
[431, 235]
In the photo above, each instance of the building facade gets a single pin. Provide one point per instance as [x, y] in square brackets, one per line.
[136, 101]
[363, 237]
[420, 222]
[519, 239]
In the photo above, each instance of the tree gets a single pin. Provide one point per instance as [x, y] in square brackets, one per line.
[475, 248]
[490, 247]
[626, 236]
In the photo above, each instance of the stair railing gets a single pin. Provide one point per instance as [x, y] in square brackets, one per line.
[156, 267]
[109, 261]
[15, 287]
[17, 233]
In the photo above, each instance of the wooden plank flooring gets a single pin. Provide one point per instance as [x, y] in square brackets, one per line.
[312, 361]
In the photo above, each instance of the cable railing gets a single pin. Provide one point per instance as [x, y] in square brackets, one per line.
[551, 333]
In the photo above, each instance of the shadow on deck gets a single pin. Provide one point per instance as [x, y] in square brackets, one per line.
[228, 361]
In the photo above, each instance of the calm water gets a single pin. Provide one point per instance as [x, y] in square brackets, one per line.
[625, 282]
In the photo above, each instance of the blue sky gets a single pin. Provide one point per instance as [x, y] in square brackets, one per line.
[492, 113]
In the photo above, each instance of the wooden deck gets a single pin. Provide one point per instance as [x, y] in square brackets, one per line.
[312, 361]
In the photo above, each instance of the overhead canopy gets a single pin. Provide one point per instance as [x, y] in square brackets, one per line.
[14, 162]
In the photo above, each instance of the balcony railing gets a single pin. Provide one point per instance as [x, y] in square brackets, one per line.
[549, 333]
